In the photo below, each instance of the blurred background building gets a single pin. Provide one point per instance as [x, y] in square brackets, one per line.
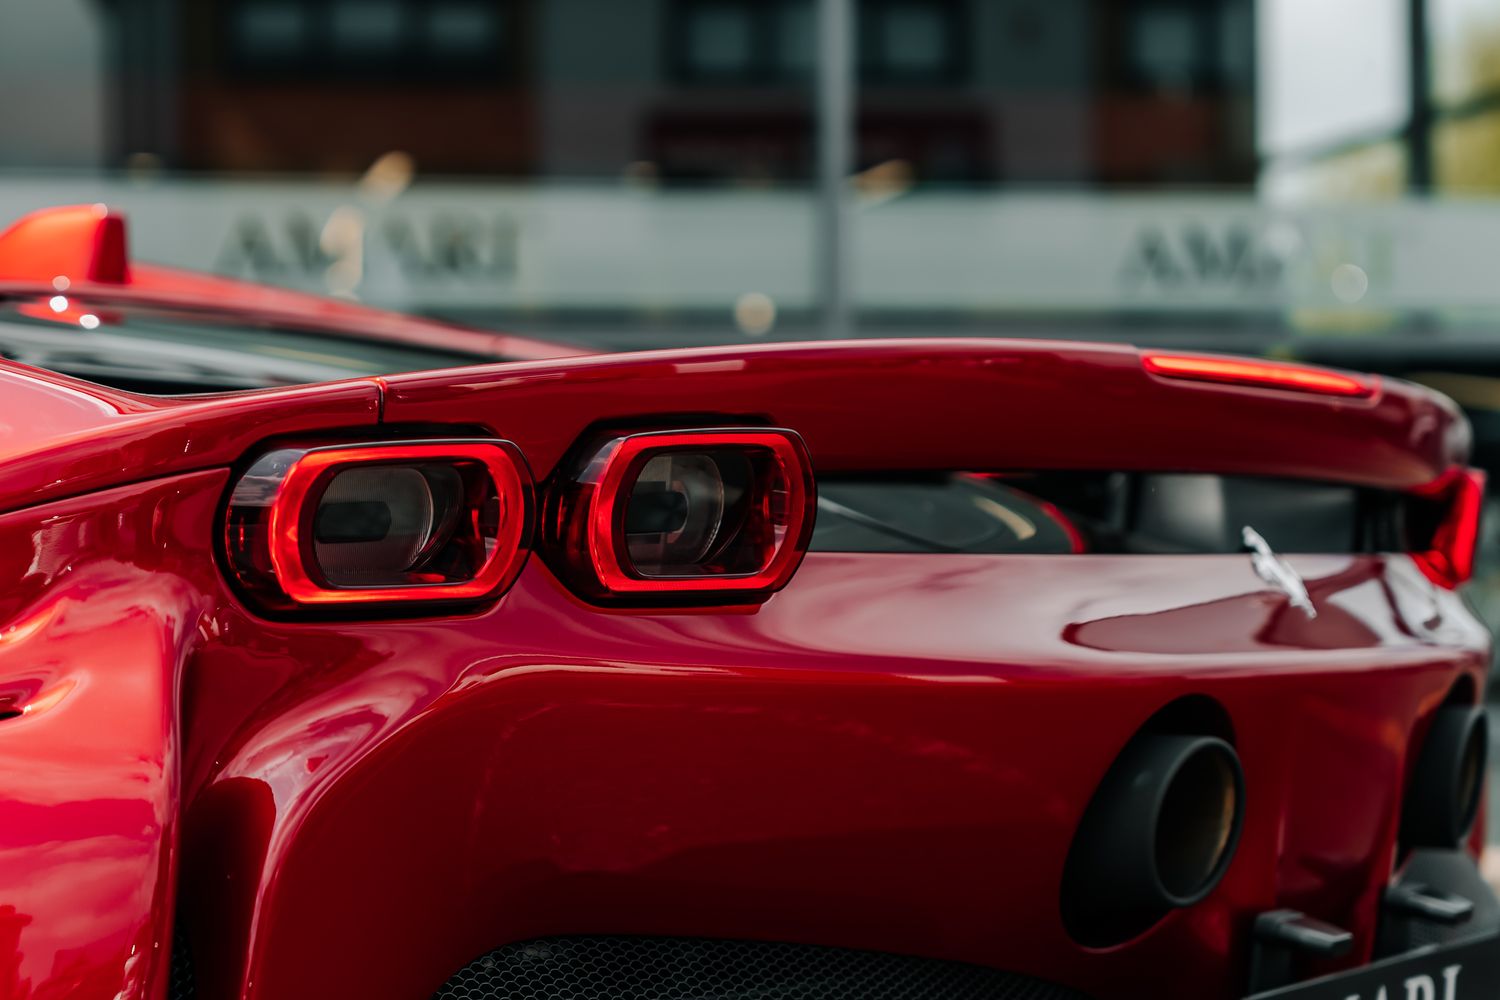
[637, 168]
[1306, 178]
[1145, 92]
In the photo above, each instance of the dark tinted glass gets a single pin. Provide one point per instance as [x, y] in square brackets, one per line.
[1108, 512]
[175, 351]
[948, 514]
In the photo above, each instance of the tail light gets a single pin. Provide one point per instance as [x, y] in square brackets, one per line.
[1257, 374]
[684, 516]
[407, 521]
[1459, 497]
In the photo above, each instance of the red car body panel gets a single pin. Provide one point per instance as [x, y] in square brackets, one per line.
[102, 610]
[954, 404]
[891, 753]
[63, 436]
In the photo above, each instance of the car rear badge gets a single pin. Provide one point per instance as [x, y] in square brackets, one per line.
[1276, 571]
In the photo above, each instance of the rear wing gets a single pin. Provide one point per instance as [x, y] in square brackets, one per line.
[982, 405]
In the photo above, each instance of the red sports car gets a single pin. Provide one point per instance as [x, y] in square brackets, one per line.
[346, 654]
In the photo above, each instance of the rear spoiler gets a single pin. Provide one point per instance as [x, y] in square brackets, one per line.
[978, 405]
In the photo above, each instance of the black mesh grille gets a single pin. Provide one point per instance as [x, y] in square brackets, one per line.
[181, 986]
[639, 968]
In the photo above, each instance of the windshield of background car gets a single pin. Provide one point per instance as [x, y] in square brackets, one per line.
[159, 350]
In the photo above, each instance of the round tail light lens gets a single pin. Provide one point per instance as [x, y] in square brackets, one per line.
[388, 522]
[692, 516]
[675, 512]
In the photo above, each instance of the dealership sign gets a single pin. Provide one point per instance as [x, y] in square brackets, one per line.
[613, 247]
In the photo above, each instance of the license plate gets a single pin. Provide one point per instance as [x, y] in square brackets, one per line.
[1463, 970]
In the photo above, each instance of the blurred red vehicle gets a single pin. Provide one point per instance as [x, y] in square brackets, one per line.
[339, 658]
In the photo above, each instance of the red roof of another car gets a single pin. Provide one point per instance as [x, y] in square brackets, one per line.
[83, 249]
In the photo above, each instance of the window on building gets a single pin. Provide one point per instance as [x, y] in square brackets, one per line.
[365, 28]
[409, 40]
[1173, 45]
[721, 41]
[912, 42]
[771, 42]
[271, 30]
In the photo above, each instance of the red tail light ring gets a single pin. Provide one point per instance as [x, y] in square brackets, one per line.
[386, 522]
[684, 516]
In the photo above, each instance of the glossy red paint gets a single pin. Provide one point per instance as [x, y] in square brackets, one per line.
[586, 526]
[873, 759]
[61, 436]
[954, 404]
[105, 596]
[892, 752]
[86, 242]
[289, 521]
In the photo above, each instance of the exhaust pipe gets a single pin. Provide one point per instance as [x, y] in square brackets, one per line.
[1447, 783]
[1158, 835]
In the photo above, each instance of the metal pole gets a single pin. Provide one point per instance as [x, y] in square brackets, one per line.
[836, 134]
[1419, 125]
[145, 73]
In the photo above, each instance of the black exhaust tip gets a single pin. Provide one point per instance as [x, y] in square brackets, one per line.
[1158, 835]
[1447, 783]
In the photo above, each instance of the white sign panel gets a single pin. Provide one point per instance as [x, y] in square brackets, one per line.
[441, 247]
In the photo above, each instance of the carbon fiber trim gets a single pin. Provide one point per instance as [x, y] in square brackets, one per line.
[642, 968]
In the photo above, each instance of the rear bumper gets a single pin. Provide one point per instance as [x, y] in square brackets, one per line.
[1450, 952]
[1424, 959]
[892, 755]
[689, 968]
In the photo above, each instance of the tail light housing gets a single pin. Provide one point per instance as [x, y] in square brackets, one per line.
[1458, 497]
[380, 523]
[699, 516]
